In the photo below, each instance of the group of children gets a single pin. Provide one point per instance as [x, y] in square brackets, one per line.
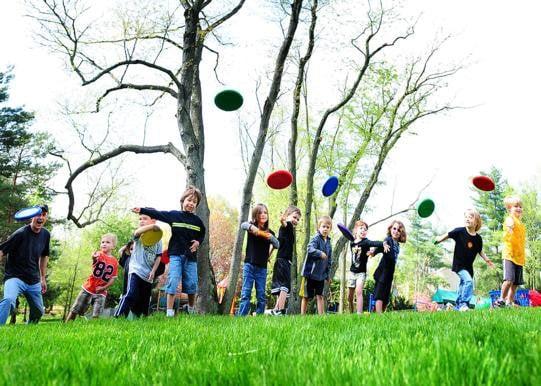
[188, 233]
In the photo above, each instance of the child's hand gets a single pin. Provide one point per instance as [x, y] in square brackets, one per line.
[283, 220]
[194, 246]
[136, 210]
[370, 252]
[99, 289]
[324, 256]
[151, 275]
[386, 248]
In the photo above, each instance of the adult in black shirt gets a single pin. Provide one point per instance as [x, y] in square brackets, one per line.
[27, 251]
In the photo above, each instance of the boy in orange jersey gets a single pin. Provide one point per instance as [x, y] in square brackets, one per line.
[104, 273]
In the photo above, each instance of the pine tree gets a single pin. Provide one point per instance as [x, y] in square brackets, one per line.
[490, 206]
[25, 171]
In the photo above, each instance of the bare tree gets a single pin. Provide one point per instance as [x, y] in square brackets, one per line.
[402, 109]
[184, 29]
[268, 107]
[375, 23]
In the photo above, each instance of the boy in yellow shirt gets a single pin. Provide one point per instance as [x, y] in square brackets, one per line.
[514, 251]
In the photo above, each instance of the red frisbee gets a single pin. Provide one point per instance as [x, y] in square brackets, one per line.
[279, 179]
[484, 183]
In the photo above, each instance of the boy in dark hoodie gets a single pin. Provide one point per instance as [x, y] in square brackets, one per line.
[316, 266]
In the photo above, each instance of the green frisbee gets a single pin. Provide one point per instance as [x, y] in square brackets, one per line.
[425, 208]
[228, 100]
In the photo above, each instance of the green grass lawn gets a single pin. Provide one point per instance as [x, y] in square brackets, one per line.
[500, 347]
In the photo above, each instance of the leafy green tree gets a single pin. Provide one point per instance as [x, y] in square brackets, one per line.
[532, 221]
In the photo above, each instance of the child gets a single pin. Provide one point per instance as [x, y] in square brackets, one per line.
[359, 256]
[259, 246]
[316, 266]
[281, 274]
[144, 262]
[188, 232]
[125, 252]
[104, 272]
[396, 233]
[514, 253]
[468, 243]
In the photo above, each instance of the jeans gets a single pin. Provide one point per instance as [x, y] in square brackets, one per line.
[12, 289]
[252, 274]
[181, 268]
[465, 288]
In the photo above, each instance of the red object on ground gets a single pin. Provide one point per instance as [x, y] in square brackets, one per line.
[535, 298]
[279, 179]
[484, 183]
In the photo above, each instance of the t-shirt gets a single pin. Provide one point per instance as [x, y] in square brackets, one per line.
[257, 250]
[286, 237]
[514, 243]
[143, 257]
[23, 250]
[104, 268]
[466, 249]
[359, 257]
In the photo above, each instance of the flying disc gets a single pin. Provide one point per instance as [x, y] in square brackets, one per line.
[484, 183]
[279, 179]
[151, 237]
[27, 213]
[425, 207]
[345, 231]
[330, 186]
[228, 100]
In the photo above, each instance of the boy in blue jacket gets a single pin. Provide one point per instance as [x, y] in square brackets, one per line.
[317, 266]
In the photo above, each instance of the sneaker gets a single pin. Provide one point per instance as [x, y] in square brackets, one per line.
[275, 312]
[170, 313]
[500, 303]
[188, 310]
[463, 308]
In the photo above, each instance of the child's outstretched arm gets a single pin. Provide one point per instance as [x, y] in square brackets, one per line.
[259, 233]
[486, 259]
[441, 238]
[139, 231]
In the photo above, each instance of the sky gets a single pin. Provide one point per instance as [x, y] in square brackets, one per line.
[501, 81]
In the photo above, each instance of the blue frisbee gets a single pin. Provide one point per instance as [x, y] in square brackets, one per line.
[27, 213]
[330, 186]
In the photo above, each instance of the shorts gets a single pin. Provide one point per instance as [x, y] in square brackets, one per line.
[311, 288]
[181, 268]
[82, 302]
[98, 303]
[513, 272]
[281, 277]
[355, 278]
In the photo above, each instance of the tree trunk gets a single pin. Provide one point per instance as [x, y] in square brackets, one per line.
[247, 191]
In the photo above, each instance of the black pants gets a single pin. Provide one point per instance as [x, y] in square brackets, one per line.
[136, 299]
